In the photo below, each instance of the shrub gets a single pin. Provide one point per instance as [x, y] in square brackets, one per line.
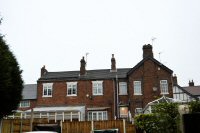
[164, 119]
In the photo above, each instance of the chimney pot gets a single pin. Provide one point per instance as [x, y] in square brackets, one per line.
[191, 83]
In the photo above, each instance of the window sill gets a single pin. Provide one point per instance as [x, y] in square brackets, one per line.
[164, 93]
[137, 94]
[71, 95]
[122, 94]
[46, 96]
[97, 94]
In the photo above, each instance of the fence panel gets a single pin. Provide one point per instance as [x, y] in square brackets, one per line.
[76, 127]
[6, 126]
[130, 128]
[86, 127]
[17, 125]
[109, 125]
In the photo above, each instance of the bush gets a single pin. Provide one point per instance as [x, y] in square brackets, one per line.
[194, 106]
[147, 122]
[164, 119]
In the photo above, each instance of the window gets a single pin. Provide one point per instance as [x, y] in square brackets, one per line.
[122, 88]
[137, 88]
[71, 88]
[138, 110]
[97, 115]
[123, 112]
[97, 87]
[25, 103]
[47, 89]
[164, 87]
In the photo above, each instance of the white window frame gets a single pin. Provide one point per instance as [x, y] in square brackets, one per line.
[24, 104]
[48, 87]
[138, 110]
[123, 88]
[137, 87]
[100, 115]
[164, 87]
[97, 88]
[122, 114]
[71, 86]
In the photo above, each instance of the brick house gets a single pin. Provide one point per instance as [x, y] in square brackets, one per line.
[29, 96]
[102, 94]
[187, 93]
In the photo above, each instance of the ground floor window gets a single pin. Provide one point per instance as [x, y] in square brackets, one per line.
[97, 115]
[25, 103]
[123, 112]
[138, 110]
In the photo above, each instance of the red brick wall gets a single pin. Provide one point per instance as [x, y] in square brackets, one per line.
[149, 74]
[84, 87]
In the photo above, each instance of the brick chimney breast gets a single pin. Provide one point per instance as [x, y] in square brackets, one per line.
[113, 64]
[174, 78]
[147, 51]
[82, 68]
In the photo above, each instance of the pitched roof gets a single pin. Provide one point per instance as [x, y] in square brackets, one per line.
[90, 74]
[152, 59]
[193, 90]
[29, 91]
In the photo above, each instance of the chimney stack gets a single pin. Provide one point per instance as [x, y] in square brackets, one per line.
[82, 68]
[113, 64]
[43, 71]
[191, 83]
[174, 78]
[147, 51]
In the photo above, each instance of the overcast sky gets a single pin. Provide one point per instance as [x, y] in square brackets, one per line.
[57, 33]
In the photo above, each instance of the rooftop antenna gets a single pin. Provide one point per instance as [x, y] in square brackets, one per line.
[152, 40]
[86, 55]
[159, 56]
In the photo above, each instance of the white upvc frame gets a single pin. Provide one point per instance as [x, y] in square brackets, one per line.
[123, 88]
[71, 88]
[138, 110]
[164, 87]
[97, 88]
[47, 90]
[24, 104]
[97, 115]
[137, 87]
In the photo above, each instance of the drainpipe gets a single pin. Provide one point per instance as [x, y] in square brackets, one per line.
[117, 97]
[114, 115]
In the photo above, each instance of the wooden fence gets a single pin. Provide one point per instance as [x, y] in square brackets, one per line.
[19, 125]
[24, 125]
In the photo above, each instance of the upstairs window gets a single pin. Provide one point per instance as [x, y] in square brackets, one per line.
[71, 88]
[137, 88]
[164, 87]
[122, 88]
[24, 104]
[97, 87]
[47, 89]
